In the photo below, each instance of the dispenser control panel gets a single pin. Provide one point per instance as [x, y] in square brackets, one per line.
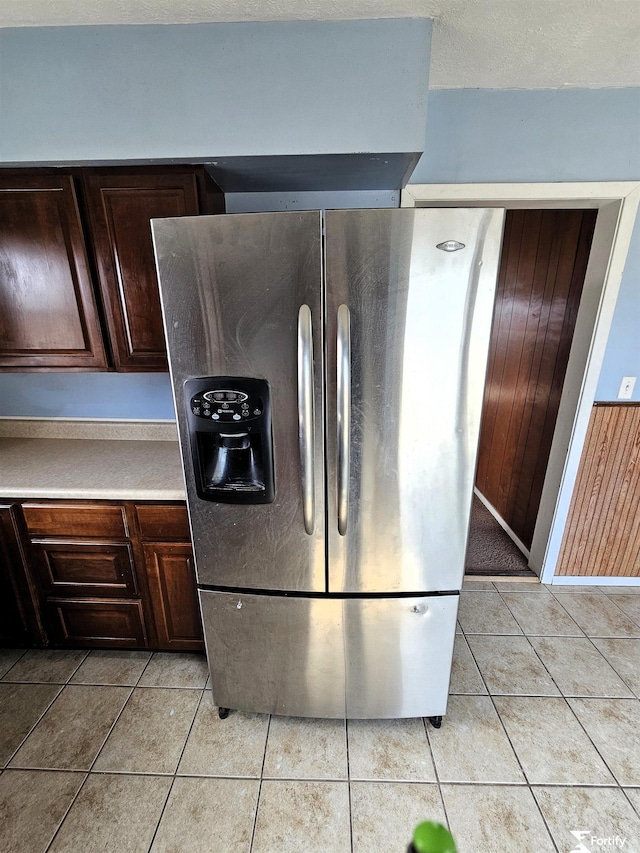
[230, 433]
[226, 405]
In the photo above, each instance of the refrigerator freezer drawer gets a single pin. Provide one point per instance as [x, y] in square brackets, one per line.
[330, 657]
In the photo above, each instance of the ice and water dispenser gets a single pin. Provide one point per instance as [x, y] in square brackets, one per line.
[229, 422]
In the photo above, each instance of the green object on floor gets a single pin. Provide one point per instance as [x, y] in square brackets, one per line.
[430, 837]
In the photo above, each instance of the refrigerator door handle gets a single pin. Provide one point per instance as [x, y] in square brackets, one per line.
[306, 416]
[344, 413]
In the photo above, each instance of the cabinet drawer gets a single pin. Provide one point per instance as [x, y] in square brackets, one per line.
[69, 520]
[163, 522]
[79, 568]
[97, 624]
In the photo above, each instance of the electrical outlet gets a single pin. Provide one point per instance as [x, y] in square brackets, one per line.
[626, 387]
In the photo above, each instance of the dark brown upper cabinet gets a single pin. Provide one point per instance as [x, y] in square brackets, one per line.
[78, 286]
[48, 312]
[120, 205]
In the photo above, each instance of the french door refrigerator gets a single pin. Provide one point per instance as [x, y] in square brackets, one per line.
[328, 372]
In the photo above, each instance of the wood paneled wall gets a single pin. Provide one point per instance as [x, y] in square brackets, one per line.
[544, 259]
[602, 535]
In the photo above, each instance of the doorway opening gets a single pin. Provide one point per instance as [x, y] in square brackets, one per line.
[540, 282]
[616, 205]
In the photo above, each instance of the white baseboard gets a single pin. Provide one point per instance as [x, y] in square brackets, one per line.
[503, 524]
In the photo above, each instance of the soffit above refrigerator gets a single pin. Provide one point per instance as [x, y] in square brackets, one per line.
[314, 172]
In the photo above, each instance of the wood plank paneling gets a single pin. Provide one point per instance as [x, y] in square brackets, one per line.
[602, 534]
[542, 271]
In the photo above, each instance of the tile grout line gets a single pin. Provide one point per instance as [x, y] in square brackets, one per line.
[624, 680]
[526, 634]
[67, 810]
[544, 666]
[562, 696]
[630, 801]
[636, 622]
[19, 658]
[544, 820]
[606, 659]
[62, 686]
[36, 649]
[570, 637]
[174, 775]
[37, 722]
[144, 668]
[112, 727]
[590, 739]
[636, 634]
[86, 772]
[504, 728]
[193, 720]
[513, 749]
[435, 770]
[97, 755]
[264, 756]
[346, 740]
[490, 696]
[162, 811]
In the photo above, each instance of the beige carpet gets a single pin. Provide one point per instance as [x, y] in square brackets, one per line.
[490, 551]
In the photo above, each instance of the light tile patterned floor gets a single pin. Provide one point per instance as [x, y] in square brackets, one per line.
[123, 752]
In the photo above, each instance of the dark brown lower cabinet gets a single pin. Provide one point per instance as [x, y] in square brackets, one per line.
[19, 620]
[172, 587]
[104, 581]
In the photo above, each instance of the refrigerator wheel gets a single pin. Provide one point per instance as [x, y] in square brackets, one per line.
[436, 722]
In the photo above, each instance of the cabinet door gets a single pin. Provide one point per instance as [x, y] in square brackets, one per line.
[48, 314]
[172, 585]
[120, 206]
[19, 623]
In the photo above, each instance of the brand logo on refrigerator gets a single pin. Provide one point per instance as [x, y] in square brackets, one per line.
[450, 246]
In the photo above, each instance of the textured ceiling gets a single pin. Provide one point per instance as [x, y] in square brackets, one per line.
[520, 44]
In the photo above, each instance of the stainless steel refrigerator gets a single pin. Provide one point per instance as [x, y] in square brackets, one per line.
[328, 373]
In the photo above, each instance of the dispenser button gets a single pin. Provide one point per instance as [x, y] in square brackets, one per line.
[215, 416]
[225, 405]
[196, 410]
[257, 412]
[236, 417]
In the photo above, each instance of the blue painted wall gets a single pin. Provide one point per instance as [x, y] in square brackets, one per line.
[73, 94]
[213, 90]
[471, 136]
[479, 135]
[137, 396]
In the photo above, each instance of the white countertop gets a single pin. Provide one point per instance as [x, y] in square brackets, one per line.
[114, 468]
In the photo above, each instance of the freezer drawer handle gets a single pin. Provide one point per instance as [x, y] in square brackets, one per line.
[306, 416]
[344, 413]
